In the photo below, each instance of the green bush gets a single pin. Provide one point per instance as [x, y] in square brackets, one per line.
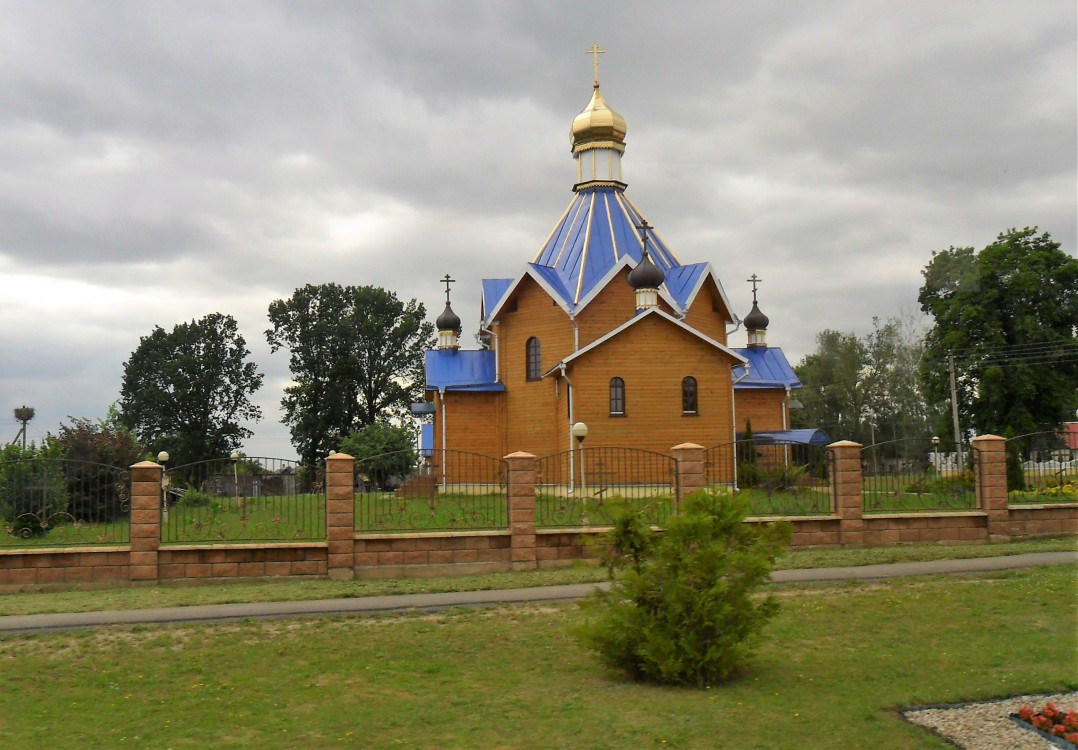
[192, 498]
[684, 612]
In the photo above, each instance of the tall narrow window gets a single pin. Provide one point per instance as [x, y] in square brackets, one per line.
[688, 395]
[534, 359]
[617, 396]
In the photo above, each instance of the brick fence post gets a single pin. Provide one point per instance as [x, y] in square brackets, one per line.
[340, 517]
[991, 471]
[521, 482]
[848, 499]
[145, 520]
[689, 465]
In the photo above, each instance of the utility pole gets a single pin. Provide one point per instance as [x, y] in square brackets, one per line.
[954, 411]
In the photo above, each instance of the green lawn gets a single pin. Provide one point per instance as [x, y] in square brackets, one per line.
[831, 671]
[384, 512]
[225, 519]
[71, 535]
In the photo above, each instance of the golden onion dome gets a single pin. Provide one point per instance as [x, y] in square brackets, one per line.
[597, 122]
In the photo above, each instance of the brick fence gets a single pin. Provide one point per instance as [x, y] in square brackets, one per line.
[345, 554]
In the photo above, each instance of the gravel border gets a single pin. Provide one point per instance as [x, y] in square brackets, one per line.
[987, 726]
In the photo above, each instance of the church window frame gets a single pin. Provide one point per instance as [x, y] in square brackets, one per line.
[690, 396]
[533, 359]
[617, 397]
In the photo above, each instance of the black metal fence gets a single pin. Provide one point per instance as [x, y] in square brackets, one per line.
[777, 478]
[50, 502]
[446, 491]
[1041, 469]
[243, 500]
[581, 487]
[913, 475]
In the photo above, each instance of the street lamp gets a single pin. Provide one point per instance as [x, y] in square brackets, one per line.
[580, 431]
[236, 484]
[162, 458]
[937, 464]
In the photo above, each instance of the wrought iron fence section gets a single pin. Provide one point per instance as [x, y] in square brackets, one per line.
[777, 478]
[250, 499]
[51, 502]
[583, 487]
[445, 491]
[1041, 469]
[917, 475]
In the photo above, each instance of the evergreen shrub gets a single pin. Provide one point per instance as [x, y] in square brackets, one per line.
[681, 608]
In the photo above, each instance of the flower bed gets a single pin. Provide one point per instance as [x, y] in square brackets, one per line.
[1053, 724]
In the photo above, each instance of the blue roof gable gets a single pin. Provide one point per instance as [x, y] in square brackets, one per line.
[461, 370]
[768, 368]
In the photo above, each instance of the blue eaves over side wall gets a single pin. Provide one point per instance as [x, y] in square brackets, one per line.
[461, 370]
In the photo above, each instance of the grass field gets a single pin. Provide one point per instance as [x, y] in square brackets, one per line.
[831, 671]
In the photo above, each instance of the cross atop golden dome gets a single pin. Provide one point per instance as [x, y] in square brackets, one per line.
[597, 126]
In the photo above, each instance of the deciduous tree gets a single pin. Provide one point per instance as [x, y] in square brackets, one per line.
[1008, 315]
[187, 391]
[356, 355]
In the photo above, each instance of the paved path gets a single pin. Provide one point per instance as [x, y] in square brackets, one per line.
[19, 624]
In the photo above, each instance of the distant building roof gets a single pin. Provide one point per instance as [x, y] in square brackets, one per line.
[768, 368]
[461, 370]
[805, 437]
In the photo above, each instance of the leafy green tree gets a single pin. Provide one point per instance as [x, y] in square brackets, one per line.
[381, 450]
[1008, 315]
[356, 355]
[187, 391]
[834, 393]
[683, 609]
[97, 453]
[867, 388]
[32, 488]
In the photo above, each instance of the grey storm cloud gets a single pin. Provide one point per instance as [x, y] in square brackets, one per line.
[161, 161]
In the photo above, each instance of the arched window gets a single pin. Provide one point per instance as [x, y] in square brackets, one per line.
[534, 359]
[617, 396]
[688, 395]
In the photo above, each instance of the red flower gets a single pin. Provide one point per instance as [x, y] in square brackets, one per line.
[1042, 722]
[1058, 730]
[1025, 713]
[1072, 737]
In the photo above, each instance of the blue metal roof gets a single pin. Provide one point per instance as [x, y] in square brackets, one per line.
[461, 370]
[806, 437]
[598, 229]
[768, 368]
[493, 291]
[597, 233]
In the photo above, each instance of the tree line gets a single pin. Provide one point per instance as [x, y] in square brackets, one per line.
[1004, 319]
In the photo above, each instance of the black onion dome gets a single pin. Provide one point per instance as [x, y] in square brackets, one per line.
[756, 320]
[448, 320]
[646, 275]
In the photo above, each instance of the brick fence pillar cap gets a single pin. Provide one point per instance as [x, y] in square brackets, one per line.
[845, 444]
[146, 465]
[686, 445]
[339, 457]
[520, 454]
[983, 438]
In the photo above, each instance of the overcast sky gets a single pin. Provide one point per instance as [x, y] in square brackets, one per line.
[161, 161]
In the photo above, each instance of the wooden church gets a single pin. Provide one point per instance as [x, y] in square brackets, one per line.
[604, 326]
